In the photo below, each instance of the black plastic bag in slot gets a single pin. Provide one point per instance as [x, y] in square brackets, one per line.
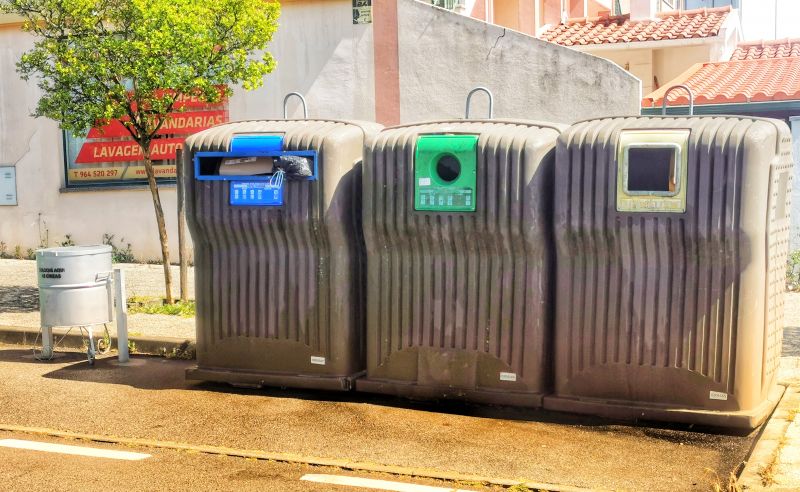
[295, 166]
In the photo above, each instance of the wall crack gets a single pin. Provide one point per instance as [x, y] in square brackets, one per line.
[495, 43]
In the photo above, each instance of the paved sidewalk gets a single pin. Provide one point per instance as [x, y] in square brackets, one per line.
[774, 464]
[19, 298]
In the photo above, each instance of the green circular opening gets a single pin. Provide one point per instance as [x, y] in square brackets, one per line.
[448, 168]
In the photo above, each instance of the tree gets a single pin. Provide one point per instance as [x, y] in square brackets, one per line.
[100, 60]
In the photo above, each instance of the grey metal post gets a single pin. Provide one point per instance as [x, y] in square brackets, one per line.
[122, 315]
[47, 342]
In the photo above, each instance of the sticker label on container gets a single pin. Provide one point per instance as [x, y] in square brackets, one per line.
[508, 376]
[320, 361]
[717, 395]
[256, 193]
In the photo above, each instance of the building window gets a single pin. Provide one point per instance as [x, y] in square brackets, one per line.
[445, 4]
[700, 4]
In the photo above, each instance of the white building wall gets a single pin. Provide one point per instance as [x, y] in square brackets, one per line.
[321, 54]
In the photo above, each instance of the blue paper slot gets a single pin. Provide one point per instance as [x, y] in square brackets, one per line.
[246, 144]
[256, 193]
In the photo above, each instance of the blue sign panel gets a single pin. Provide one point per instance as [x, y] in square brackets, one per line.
[256, 193]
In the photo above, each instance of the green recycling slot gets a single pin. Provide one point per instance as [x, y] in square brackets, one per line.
[445, 174]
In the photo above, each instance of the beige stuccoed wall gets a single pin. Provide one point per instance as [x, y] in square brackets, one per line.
[670, 63]
[638, 62]
[443, 56]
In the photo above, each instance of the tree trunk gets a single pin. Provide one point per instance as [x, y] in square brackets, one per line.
[162, 227]
[183, 254]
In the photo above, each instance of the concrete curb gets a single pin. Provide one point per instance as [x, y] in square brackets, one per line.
[299, 459]
[72, 339]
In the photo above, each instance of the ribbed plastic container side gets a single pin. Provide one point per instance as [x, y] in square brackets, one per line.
[461, 282]
[644, 300]
[282, 274]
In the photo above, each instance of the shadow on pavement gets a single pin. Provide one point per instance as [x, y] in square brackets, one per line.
[157, 373]
[18, 299]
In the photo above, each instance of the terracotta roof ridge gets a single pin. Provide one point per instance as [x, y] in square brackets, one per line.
[658, 94]
[691, 12]
[755, 60]
[735, 81]
[597, 18]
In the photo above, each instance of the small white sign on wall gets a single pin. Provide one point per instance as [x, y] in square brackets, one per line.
[8, 185]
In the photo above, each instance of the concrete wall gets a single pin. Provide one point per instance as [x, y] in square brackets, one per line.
[443, 56]
[323, 55]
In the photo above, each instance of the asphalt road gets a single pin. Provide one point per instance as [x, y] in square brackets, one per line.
[150, 399]
[32, 470]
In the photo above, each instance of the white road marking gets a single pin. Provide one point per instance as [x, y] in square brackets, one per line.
[75, 450]
[374, 484]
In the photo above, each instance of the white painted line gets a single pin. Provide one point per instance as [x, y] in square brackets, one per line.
[75, 450]
[370, 483]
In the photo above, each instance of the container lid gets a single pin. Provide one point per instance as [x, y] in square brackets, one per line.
[96, 249]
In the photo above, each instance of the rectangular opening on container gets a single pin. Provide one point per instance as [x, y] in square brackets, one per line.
[255, 166]
[652, 169]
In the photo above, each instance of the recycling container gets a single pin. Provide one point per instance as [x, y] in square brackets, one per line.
[274, 212]
[457, 219]
[671, 237]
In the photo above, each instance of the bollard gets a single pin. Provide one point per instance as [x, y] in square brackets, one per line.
[47, 342]
[122, 314]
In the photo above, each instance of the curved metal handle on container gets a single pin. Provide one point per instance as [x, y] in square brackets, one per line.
[691, 99]
[286, 108]
[491, 101]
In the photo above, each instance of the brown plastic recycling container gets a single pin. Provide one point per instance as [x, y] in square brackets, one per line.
[457, 226]
[278, 255]
[671, 237]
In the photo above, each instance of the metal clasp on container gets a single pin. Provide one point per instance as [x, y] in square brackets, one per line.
[491, 101]
[286, 106]
[680, 86]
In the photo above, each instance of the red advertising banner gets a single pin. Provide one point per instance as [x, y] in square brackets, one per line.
[109, 154]
[178, 124]
[123, 151]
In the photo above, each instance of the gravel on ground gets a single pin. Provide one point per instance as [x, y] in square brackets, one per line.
[19, 298]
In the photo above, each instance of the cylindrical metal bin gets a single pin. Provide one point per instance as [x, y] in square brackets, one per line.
[671, 236]
[278, 260]
[459, 260]
[73, 288]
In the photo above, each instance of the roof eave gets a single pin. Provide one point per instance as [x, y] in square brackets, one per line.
[732, 108]
[644, 45]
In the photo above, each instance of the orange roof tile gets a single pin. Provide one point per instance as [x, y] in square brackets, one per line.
[741, 81]
[767, 49]
[678, 24]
